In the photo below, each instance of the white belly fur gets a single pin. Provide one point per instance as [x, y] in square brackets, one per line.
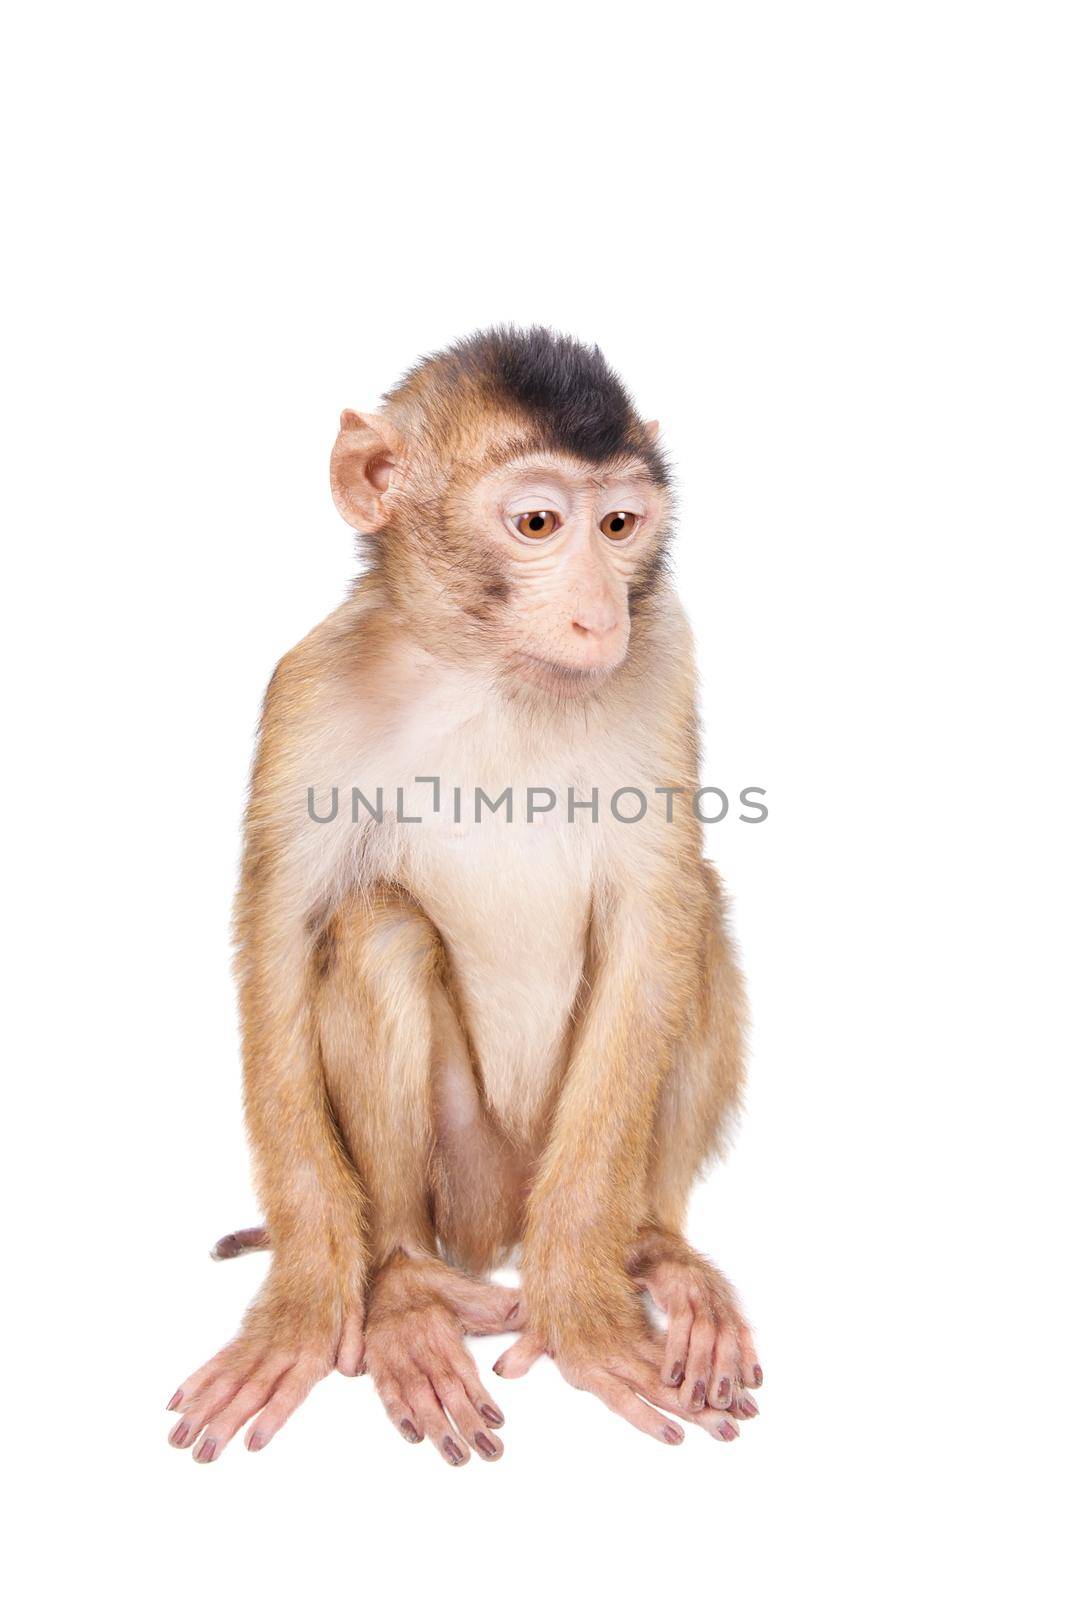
[511, 902]
[510, 899]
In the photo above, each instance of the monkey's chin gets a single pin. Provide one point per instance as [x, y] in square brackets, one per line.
[558, 679]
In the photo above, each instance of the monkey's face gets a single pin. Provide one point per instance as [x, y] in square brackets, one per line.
[558, 546]
[504, 549]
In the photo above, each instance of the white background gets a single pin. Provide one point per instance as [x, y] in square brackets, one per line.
[825, 244]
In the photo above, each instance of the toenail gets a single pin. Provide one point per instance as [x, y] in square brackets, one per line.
[492, 1416]
[672, 1434]
[179, 1434]
[207, 1451]
[677, 1373]
[485, 1444]
[757, 1377]
[410, 1432]
[174, 1399]
[256, 1442]
[453, 1454]
[696, 1399]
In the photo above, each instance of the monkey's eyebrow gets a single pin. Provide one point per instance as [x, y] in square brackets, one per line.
[536, 458]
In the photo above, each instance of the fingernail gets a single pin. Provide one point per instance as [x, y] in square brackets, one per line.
[492, 1416]
[696, 1399]
[174, 1399]
[757, 1377]
[497, 1366]
[179, 1434]
[749, 1407]
[727, 1431]
[514, 1311]
[452, 1453]
[672, 1434]
[485, 1444]
[256, 1442]
[677, 1373]
[206, 1451]
[409, 1431]
[724, 1389]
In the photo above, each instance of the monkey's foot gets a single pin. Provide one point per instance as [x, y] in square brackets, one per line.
[708, 1354]
[427, 1382]
[287, 1345]
[625, 1373]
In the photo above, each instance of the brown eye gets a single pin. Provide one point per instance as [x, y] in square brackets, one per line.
[619, 524]
[537, 524]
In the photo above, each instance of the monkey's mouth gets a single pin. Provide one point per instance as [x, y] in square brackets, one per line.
[556, 676]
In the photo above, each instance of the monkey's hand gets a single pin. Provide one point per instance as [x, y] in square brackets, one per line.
[621, 1362]
[418, 1314]
[304, 1323]
[708, 1354]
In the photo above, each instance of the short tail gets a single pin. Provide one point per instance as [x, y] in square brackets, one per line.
[241, 1243]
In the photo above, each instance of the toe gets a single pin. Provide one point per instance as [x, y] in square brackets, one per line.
[350, 1348]
[725, 1370]
[619, 1397]
[431, 1420]
[519, 1357]
[743, 1404]
[751, 1371]
[454, 1398]
[676, 1346]
[699, 1365]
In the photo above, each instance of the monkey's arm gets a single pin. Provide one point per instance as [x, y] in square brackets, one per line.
[589, 1200]
[311, 1194]
[309, 1315]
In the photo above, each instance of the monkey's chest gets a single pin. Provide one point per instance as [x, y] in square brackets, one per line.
[511, 901]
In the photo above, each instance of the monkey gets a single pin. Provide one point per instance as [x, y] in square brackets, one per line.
[517, 1038]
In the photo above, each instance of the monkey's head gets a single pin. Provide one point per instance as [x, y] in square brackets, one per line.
[515, 505]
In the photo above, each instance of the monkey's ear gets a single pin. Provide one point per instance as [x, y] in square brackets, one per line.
[365, 456]
[651, 431]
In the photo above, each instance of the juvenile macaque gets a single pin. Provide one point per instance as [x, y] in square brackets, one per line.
[466, 1040]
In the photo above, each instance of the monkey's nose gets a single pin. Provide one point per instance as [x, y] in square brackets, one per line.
[595, 624]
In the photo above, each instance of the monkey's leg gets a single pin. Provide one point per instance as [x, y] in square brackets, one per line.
[384, 1026]
[708, 1352]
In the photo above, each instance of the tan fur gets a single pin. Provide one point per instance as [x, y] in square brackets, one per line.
[479, 1037]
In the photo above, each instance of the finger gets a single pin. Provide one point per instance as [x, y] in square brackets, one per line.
[198, 1413]
[350, 1349]
[250, 1398]
[291, 1392]
[621, 1399]
[187, 1392]
[431, 1420]
[699, 1363]
[519, 1357]
[453, 1396]
[676, 1346]
[725, 1369]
